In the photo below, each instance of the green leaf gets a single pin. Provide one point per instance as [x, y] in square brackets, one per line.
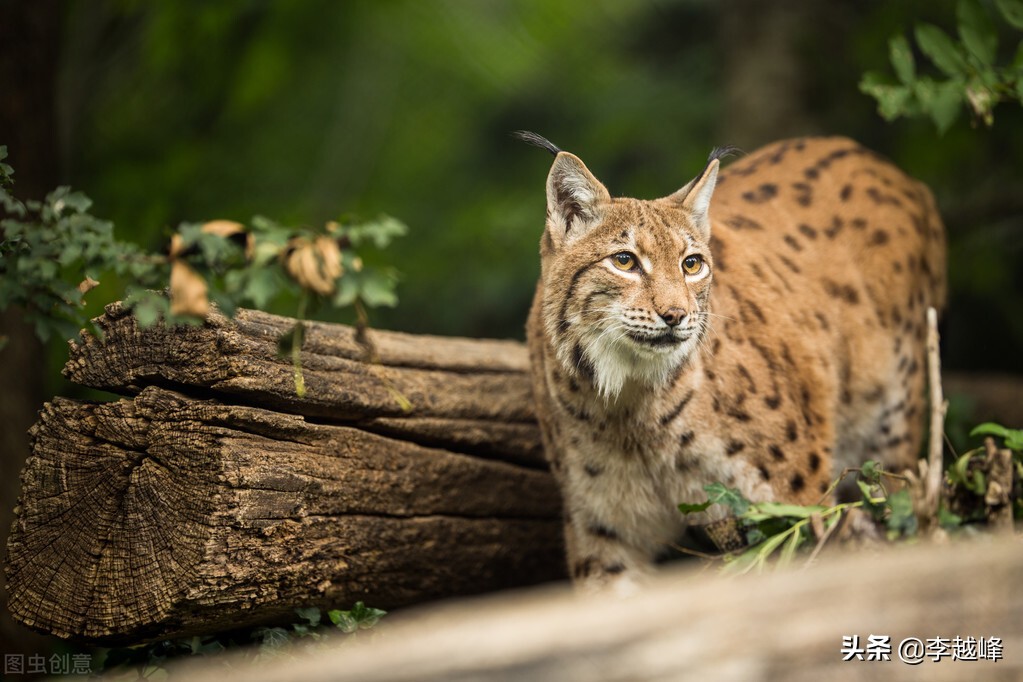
[381, 232]
[892, 100]
[687, 508]
[774, 510]
[378, 288]
[940, 100]
[977, 31]
[731, 498]
[901, 520]
[1012, 10]
[366, 616]
[789, 550]
[948, 99]
[347, 290]
[309, 614]
[271, 638]
[343, 621]
[870, 471]
[941, 49]
[947, 519]
[902, 59]
[1013, 437]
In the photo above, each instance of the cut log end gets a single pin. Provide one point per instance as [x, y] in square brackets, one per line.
[164, 515]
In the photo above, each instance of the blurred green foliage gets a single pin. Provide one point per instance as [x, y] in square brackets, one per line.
[970, 75]
[182, 112]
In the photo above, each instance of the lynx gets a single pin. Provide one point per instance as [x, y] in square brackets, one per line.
[762, 327]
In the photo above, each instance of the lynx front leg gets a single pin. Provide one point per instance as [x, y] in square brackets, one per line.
[599, 559]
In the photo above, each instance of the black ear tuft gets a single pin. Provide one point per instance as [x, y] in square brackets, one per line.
[536, 141]
[721, 152]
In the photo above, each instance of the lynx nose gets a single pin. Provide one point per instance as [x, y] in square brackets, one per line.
[673, 316]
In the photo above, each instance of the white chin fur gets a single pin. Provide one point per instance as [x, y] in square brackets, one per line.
[617, 362]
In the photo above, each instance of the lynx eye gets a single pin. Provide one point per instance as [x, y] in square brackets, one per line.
[692, 265]
[624, 261]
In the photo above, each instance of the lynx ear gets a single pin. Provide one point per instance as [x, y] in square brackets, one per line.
[575, 199]
[695, 197]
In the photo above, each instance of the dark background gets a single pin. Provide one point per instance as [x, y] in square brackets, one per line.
[307, 110]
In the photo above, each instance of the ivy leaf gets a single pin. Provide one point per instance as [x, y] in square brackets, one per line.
[271, 638]
[366, 616]
[310, 614]
[718, 493]
[945, 54]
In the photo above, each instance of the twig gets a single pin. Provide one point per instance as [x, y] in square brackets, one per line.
[997, 497]
[822, 540]
[938, 409]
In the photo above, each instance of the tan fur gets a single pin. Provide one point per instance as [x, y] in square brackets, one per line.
[801, 350]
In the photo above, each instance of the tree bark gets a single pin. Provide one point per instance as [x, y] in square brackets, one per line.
[191, 510]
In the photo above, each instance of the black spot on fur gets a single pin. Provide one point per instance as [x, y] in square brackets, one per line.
[764, 192]
[738, 222]
[845, 193]
[797, 483]
[793, 242]
[738, 415]
[583, 568]
[764, 472]
[843, 292]
[599, 530]
[744, 373]
[804, 194]
[789, 264]
[836, 226]
[685, 439]
[776, 452]
[791, 433]
[815, 462]
[808, 232]
[879, 238]
[755, 309]
[734, 447]
[592, 470]
[773, 401]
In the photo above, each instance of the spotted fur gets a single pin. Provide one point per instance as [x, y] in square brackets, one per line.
[796, 350]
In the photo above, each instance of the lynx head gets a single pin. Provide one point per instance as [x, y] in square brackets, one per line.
[626, 283]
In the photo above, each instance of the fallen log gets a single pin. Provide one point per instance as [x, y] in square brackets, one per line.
[691, 624]
[190, 508]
